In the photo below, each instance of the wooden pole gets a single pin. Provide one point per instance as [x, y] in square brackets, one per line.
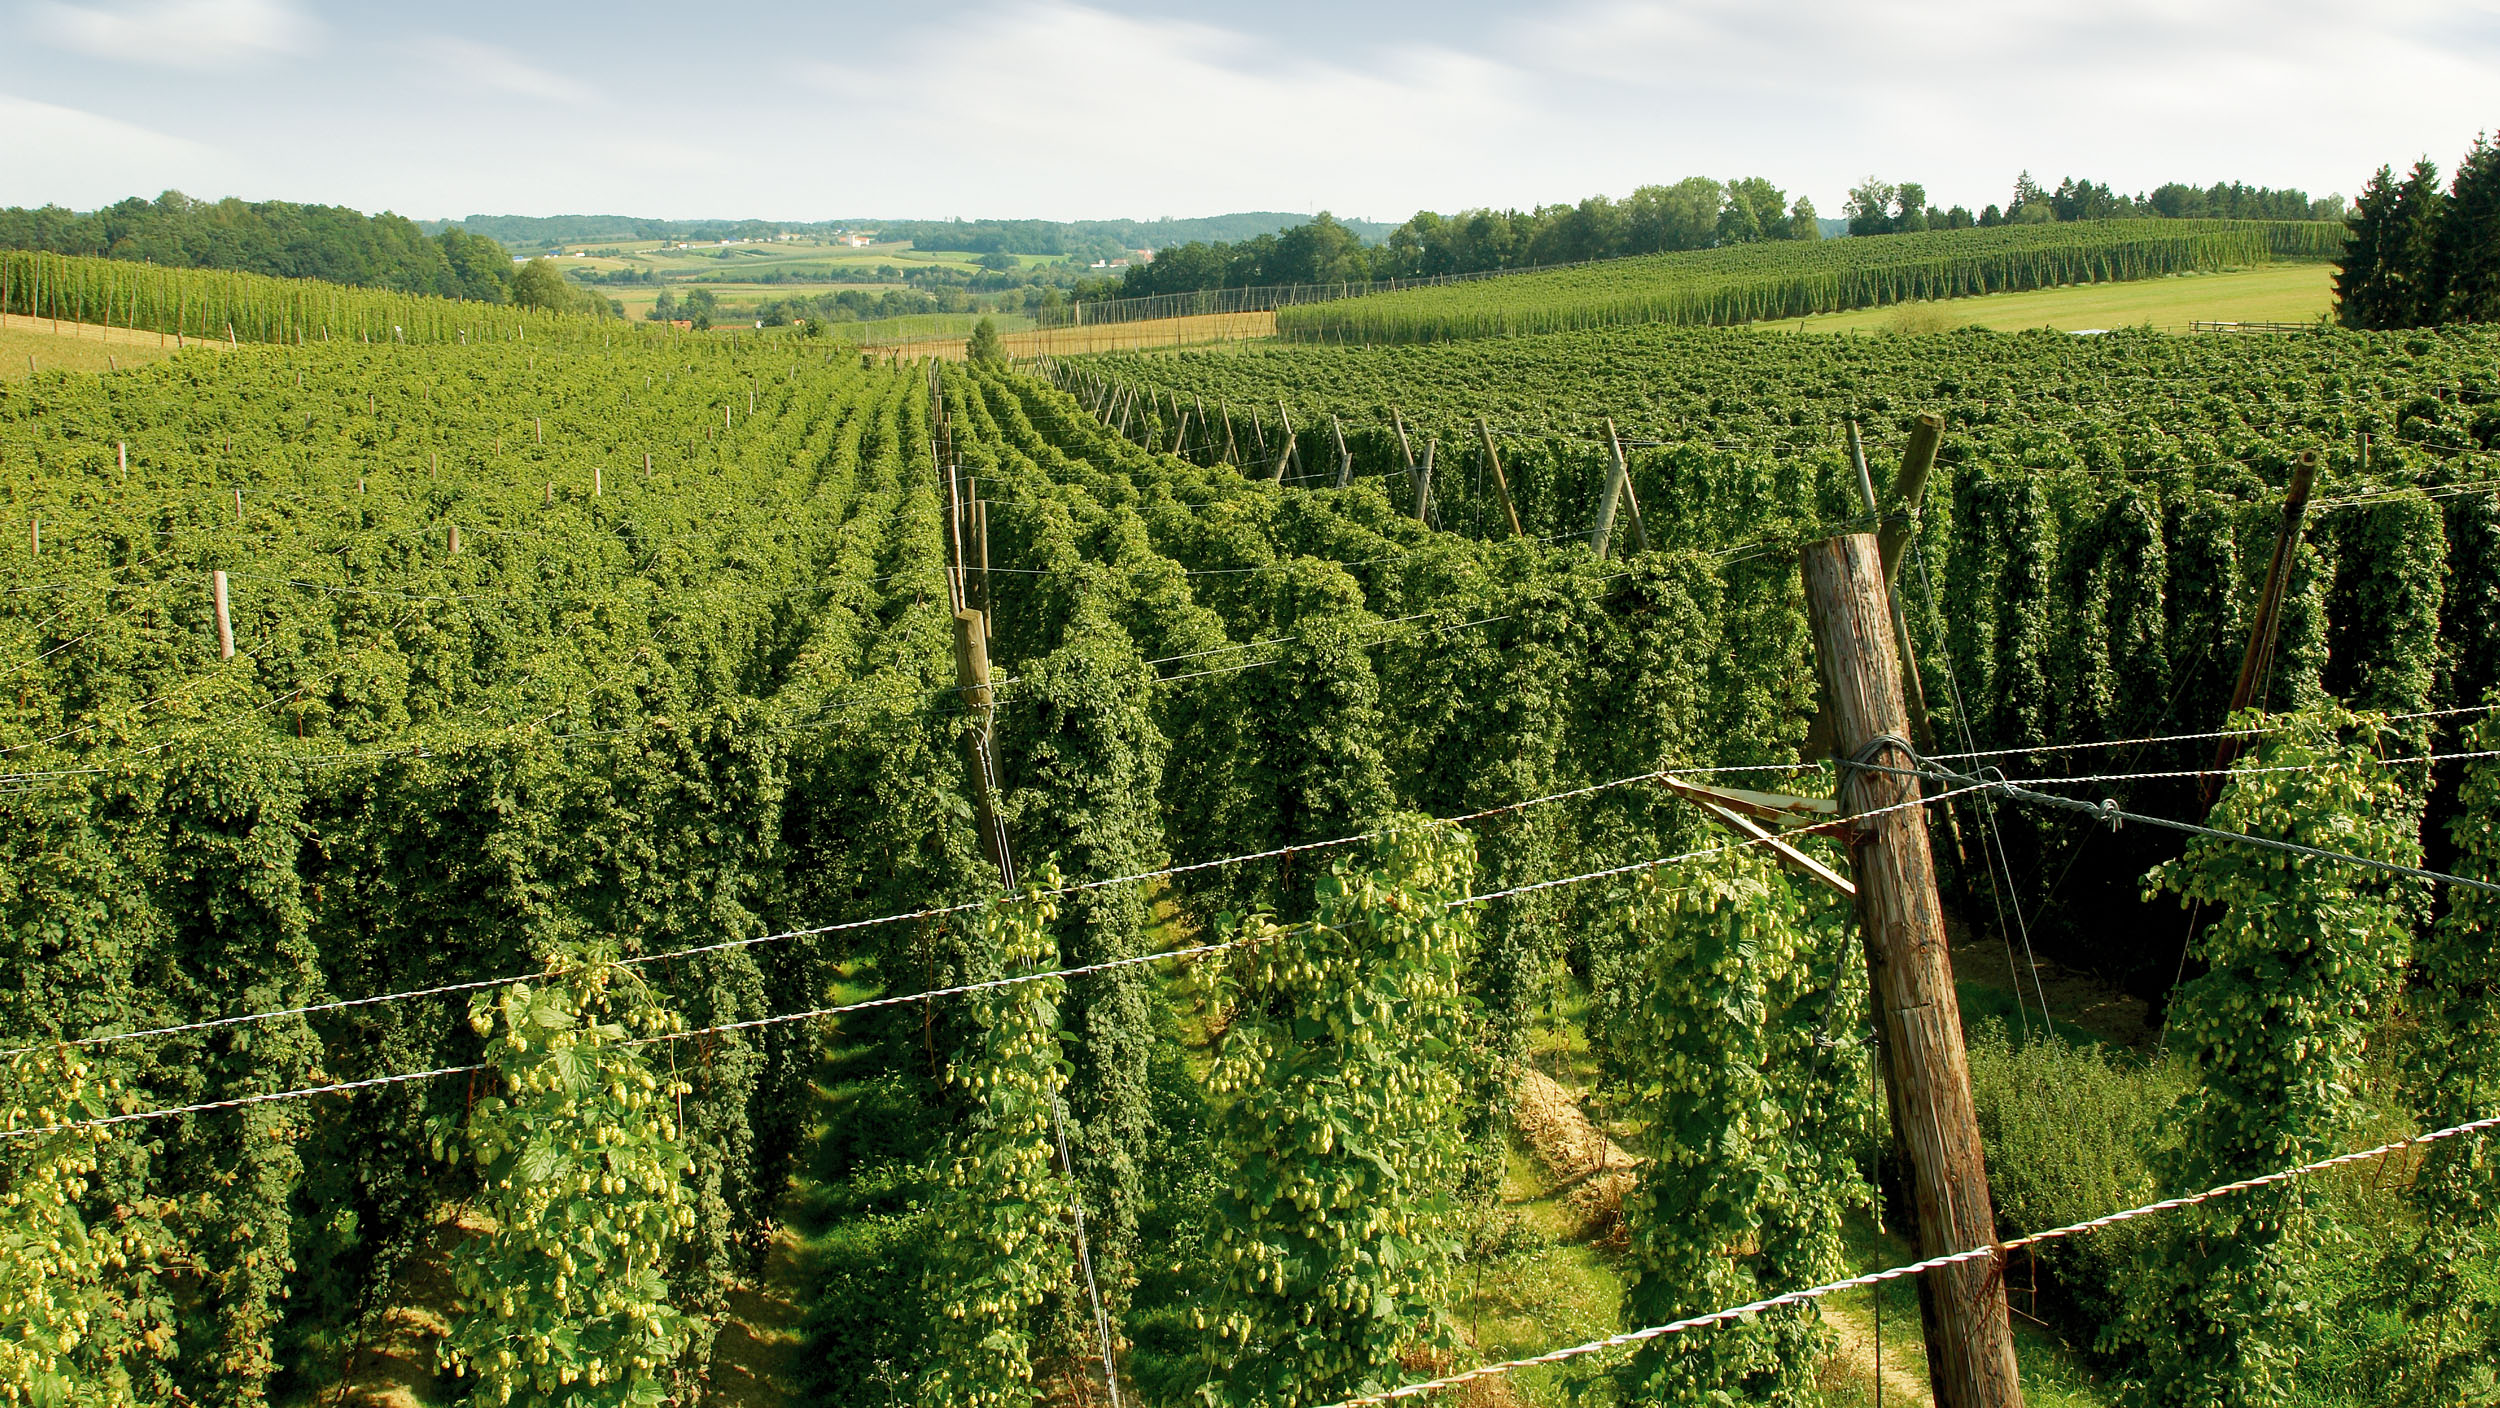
[1631, 500]
[225, 618]
[1602, 536]
[1909, 489]
[1284, 455]
[451, 539]
[1914, 685]
[1501, 486]
[1970, 1346]
[1345, 461]
[972, 677]
[2257, 661]
[1866, 481]
[1423, 480]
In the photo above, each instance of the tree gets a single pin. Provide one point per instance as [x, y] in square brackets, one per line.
[2362, 278]
[479, 267]
[1321, 252]
[1682, 216]
[2412, 249]
[983, 345]
[2466, 247]
[1869, 208]
[1756, 210]
[1803, 223]
[2028, 197]
[537, 284]
[1909, 201]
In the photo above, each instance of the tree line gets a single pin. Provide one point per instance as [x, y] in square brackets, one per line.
[275, 237]
[1695, 213]
[1880, 207]
[2416, 255]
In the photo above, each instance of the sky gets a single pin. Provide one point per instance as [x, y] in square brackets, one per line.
[1052, 109]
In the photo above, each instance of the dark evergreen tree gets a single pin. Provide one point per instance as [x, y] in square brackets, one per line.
[2412, 247]
[2465, 258]
[2361, 276]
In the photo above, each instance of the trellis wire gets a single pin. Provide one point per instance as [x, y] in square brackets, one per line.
[1992, 1251]
[813, 1014]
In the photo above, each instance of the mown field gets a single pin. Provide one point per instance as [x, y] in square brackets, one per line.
[2283, 293]
[585, 932]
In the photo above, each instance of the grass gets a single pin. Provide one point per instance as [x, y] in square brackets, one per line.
[2276, 293]
[2053, 1374]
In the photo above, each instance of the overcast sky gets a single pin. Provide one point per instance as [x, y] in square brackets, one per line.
[1048, 108]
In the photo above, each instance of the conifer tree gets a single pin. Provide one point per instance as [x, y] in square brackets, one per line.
[2466, 255]
[2361, 276]
[2412, 246]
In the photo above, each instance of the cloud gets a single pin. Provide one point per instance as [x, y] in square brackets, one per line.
[186, 34]
[501, 71]
[1027, 107]
[83, 160]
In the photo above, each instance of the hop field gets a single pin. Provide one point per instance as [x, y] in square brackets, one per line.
[1787, 279]
[599, 740]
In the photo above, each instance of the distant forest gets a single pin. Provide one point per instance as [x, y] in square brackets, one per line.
[1695, 213]
[1077, 239]
[274, 237]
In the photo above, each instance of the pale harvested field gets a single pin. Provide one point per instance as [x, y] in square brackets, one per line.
[30, 345]
[1110, 337]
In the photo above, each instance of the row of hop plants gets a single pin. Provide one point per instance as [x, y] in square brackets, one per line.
[799, 761]
[627, 709]
[219, 305]
[1665, 954]
[2105, 542]
[1787, 279]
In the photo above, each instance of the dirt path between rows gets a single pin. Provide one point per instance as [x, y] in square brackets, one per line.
[1586, 1165]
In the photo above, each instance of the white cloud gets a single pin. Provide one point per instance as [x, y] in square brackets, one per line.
[501, 71]
[188, 34]
[1031, 107]
[80, 159]
[1068, 108]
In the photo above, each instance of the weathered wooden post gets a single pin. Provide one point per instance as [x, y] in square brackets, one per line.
[1970, 1345]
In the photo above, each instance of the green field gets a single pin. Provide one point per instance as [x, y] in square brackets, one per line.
[2282, 293]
